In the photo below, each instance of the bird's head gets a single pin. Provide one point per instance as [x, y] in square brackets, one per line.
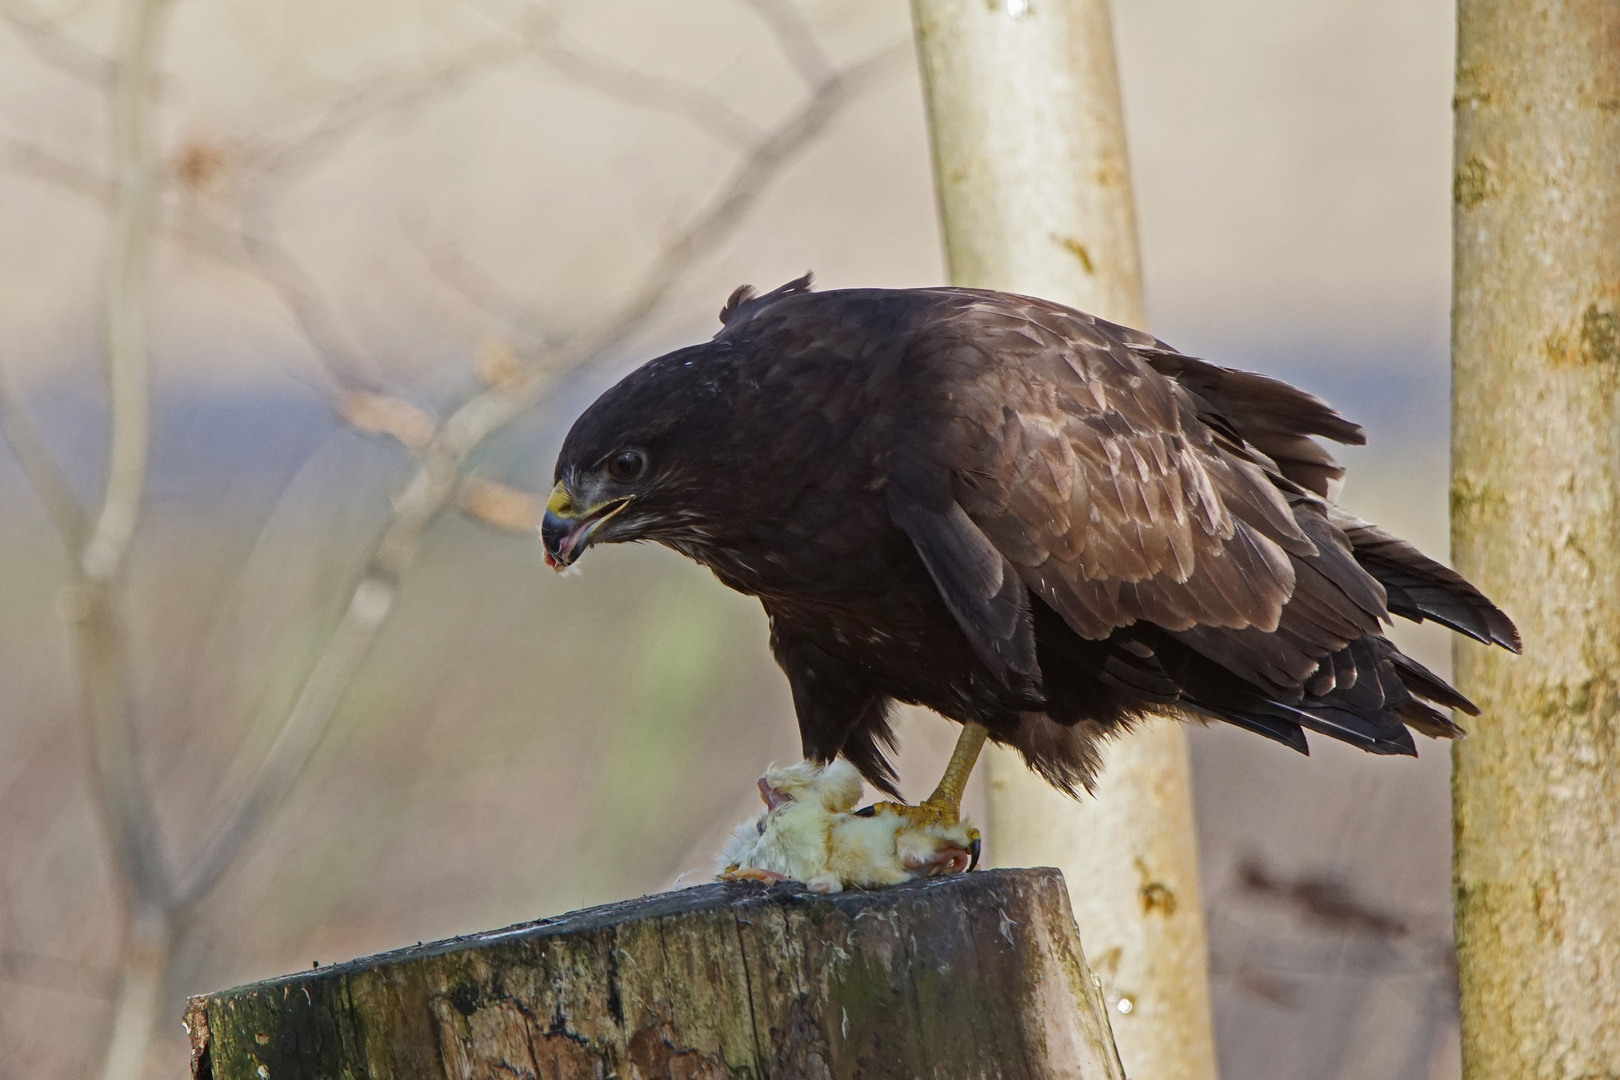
[637, 464]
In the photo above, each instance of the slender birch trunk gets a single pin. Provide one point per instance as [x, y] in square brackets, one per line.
[1034, 187]
[1536, 523]
[99, 618]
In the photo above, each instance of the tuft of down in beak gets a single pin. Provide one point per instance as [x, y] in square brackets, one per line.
[567, 529]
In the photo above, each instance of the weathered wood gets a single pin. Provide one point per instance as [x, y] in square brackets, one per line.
[967, 976]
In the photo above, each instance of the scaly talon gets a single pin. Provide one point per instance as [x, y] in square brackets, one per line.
[944, 806]
[809, 832]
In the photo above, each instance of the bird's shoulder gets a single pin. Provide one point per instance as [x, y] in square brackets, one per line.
[1092, 471]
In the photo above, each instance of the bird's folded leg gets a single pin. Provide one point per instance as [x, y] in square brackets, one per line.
[944, 806]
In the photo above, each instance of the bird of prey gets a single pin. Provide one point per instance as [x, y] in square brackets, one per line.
[1037, 523]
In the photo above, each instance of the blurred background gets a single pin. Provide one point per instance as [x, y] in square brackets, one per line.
[372, 212]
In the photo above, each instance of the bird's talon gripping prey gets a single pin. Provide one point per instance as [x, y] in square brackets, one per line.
[810, 832]
[1042, 525]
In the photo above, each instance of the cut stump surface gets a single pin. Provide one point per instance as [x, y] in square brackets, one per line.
[974, 975]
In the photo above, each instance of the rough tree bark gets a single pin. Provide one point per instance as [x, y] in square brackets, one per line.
[1034, 188]
[968, 976]
[1535, 498]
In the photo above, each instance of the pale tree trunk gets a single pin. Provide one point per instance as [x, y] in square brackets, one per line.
[1034, 187]
[1536, 524]
[98, 615]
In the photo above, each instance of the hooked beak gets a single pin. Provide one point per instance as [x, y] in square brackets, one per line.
[566, 530]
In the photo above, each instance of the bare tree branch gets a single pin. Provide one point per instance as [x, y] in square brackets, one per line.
[40, 468]
[101, 559]
[122, 797]
[374, 100]
[127, 305]
[301, 731]
[651, 92]
[159, 904]
[52, 46]
[346, 363]
[474, 284]
[1324, 900]
[796, 40]
[735, 200]
[439, 475]
[34, 160]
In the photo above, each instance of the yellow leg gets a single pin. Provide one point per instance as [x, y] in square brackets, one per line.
[944, 806]
[949, 792]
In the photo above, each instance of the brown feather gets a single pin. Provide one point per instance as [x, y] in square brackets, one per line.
[1023, 516]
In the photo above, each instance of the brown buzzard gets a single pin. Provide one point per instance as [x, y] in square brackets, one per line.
[1032, 521]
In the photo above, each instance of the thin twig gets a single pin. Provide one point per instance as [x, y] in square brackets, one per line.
[37, 161]
[735, 200]
[1326, 901]
[48, 42]
[796, 40]
[122, 797]
[33, 160]
[40, 468]
[652, 92]
[438, 477]
[373, 101]
[346, 363]
[474, 284]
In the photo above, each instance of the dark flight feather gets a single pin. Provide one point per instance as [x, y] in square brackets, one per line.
[1420, 588]
[1018, 514]
[979, 586]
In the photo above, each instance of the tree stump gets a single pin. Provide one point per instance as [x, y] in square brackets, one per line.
[974, 975]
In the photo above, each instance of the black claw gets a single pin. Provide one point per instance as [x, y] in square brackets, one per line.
[973, 849]
[866, 811]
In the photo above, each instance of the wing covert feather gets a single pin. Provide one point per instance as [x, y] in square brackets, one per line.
[1091, 473]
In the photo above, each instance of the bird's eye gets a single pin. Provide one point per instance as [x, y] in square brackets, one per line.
[627, 465]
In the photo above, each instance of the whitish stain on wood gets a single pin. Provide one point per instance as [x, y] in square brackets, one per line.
[968, 976]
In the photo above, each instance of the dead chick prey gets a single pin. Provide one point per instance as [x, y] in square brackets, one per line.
[809, 831]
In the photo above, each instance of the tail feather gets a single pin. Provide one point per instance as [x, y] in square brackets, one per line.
[1420, 588]
[1379, 732]
[1426, 684]
[1386, 694]
[1281, 729]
